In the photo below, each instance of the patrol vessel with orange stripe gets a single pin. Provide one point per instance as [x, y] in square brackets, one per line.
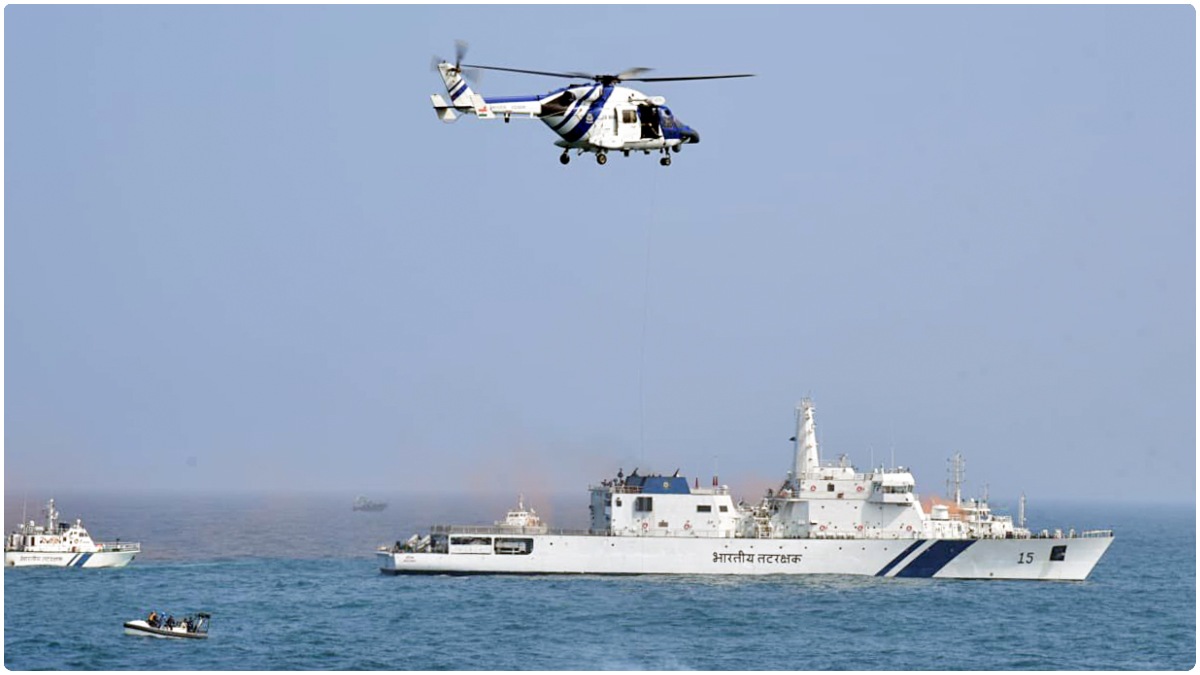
[825, 518]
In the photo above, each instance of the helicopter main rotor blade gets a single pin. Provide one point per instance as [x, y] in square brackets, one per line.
[460, 50]
[529, 72]
[676, 79]
[630, 72]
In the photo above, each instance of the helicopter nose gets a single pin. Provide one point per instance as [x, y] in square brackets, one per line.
[690, 135]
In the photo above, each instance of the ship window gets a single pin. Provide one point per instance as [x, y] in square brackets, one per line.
[514, 546]
[724, 508]
[703, 508]
[617, 501]
[829, 488]
[1058, 553]
[644, 504]
[471, 541]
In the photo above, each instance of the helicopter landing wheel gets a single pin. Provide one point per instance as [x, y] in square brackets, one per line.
[665, 161]
[564, 158]
[601, 158]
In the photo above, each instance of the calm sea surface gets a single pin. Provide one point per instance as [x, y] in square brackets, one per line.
[292, 583]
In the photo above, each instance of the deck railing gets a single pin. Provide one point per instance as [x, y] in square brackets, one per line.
[115, 546]
[501, 530]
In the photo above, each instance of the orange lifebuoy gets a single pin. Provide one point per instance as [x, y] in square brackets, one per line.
[822, 528]
[645, 525]
[908, 527]
[860, 527]
[859, 488]
[812, 488]
[687, 526]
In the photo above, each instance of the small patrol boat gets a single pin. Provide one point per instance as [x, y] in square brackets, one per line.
[522, 520]
[58, 544]
[188, 628]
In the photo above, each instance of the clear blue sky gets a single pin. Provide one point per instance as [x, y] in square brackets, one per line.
[242, 253]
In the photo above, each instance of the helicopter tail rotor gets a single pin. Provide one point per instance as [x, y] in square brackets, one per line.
[460, 50]
[462, 98]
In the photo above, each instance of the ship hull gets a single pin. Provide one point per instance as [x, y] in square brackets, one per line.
[68, 559]
[1064, 559]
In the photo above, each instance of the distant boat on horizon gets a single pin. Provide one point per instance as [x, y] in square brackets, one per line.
[364, 504]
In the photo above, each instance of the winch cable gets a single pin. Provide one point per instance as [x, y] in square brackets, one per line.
[645, 321]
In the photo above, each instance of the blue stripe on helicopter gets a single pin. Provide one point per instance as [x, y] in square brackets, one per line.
[525, 99]
[584, 126]
[511, 99]
[934, 558]
[572, 108]
[896, 561]
[462, 86]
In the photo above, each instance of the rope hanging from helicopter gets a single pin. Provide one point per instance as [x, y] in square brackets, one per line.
[646, 320]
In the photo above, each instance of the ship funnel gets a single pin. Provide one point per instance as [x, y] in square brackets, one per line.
[808, 457]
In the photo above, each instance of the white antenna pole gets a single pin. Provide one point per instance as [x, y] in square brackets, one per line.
[1021, 511]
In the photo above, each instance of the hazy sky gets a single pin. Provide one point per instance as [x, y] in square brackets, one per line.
[242, 253]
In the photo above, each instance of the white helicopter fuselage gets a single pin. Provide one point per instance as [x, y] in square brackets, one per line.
[593, 117]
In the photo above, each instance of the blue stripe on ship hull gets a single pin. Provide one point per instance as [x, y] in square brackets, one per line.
[82, 559]
[896, 561]
[935, 558]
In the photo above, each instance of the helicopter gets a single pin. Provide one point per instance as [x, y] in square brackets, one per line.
[598, 116]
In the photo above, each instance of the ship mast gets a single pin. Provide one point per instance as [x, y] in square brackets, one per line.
[808, 458]
[954, 482]
[51, 517]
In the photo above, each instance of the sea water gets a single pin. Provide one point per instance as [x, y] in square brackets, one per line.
[293, 583]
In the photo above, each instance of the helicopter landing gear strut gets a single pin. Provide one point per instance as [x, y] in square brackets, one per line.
[601, 158]
[564, 158]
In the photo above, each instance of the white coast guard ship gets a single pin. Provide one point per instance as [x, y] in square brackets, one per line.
[63, 545]
[823, 519]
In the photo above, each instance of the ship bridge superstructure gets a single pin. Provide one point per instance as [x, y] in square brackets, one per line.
[657, 505]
